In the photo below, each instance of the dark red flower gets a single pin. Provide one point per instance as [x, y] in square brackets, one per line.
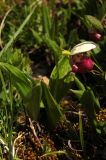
[85, 65]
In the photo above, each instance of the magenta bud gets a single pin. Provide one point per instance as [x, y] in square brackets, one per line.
[98, 36]
[95, 36]
[74, 68]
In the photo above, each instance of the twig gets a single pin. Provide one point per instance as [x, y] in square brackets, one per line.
[54, 152]
[16, 139]
[4, 144]
[34, 133]
[70, 146]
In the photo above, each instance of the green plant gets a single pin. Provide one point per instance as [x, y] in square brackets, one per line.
[50, 29]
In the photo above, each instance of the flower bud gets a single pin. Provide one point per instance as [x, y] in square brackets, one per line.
[98, 36]
[74, 68]
[95, 36]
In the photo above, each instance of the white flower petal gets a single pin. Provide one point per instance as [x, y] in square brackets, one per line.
[83, 47]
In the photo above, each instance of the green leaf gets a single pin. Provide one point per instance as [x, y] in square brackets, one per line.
[53, 110]
[91, 105]
[53, 46]
[94, 22]
[77, 93]
[73, 37]
[20, 80]
[32, 101]
[81, 88]
[79, 83]
[30, 90]
[46, 19]
[61, 69]
[61, 78]
[101, 9]
[37, 36]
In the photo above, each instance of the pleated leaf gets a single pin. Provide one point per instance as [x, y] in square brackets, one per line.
[94, 22]
[32, 101]
[53, 110]
[61, 78]
[20, 80]
[29, 89]
[91, 105]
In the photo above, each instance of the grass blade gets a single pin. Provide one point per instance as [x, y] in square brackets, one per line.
[2, 25]
[81, 131]
[46, 18]
[19, 29]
